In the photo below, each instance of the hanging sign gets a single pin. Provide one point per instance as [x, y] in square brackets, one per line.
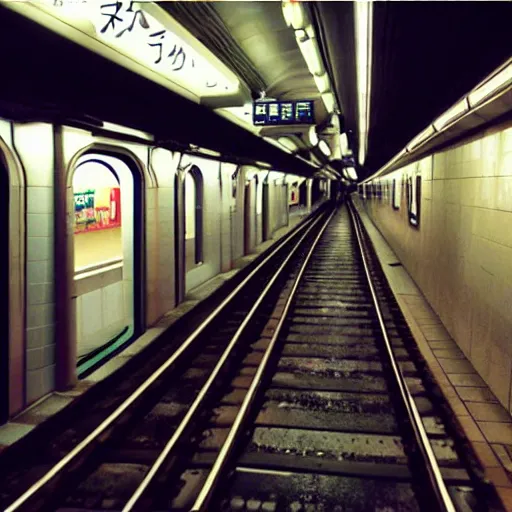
[283, 112]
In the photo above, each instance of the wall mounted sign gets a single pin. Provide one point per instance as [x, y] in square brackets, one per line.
[145, 33]
[97, 209]
[283, 112]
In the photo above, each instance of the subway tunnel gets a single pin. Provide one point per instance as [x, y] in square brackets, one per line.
[155, 156]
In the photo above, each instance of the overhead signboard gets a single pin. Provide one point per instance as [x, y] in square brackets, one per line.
[283, 112]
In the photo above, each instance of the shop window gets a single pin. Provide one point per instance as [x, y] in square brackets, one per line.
[107, 222]
[97, 215]
[193, 218]
[396, 195]
[414, 199]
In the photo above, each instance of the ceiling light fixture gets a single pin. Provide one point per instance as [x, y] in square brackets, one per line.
[344, 143]
[352, 174]
[451, 114]
[312, 136]
[363, 12]
[421, 138]
[501, 79]
[324, 148]
[329, 101]
[322, 83]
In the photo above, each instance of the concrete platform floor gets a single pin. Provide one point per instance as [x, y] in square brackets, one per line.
[486, 423]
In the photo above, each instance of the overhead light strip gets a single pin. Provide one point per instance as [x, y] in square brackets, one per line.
[296, 17]
[486, 91]
[363, 12]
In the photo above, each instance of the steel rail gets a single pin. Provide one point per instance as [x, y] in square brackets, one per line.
[164, 454]
[209, 486]
[69, 458]
[436, 481]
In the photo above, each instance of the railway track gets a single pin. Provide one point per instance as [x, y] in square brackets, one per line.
[305, 394]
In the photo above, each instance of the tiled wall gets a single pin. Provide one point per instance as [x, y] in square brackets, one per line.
[34, 145]
[100, 315]
[210, 267]
[461, 255]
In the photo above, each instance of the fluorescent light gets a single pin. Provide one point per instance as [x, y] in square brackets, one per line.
[312, 136]
[421, 138]
[344, 143]
[263, 164]
[497, 82]
[352, 174]
[311, 54]
[324, 148]
[451, 114]
[295, 15]
[322, 83]
[363, 34]
[329, 102]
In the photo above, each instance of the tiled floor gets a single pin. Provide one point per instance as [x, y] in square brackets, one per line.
[486, 423]
[37, 413]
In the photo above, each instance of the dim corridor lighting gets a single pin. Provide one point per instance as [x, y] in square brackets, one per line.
[363, 12]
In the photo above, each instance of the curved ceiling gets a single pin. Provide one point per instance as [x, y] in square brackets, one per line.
[426, 55]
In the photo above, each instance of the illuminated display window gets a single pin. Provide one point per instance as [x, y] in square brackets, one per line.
[283, 112]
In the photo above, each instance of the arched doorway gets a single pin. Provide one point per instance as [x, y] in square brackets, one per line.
[107, 248]
[4, 286]
[193, 186]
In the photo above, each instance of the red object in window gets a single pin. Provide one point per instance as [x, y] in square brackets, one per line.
[115, 206]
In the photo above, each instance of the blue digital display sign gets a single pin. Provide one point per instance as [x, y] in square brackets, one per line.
[283, 112]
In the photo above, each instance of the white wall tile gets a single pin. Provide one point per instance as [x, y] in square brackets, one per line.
[92, 314]
[39, 248]
[35, 358]
[48, 374]
[40, 315]
[40, 200]
[34, 385]
[112, 303]
[40, 224]
[40, 336]
[40, 293]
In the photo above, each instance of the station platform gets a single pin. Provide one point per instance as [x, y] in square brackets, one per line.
[23, 424]
[487, 425]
